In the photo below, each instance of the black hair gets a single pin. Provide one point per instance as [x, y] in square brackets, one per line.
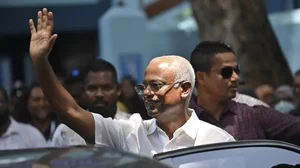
[100, 65]
[202, 55]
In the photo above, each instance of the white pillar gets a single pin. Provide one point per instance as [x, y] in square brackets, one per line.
[123, 40]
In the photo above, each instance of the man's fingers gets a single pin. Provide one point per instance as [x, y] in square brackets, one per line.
[50, 24]
[52, 40]
[39, 21]
[31, 26]
[45, 18]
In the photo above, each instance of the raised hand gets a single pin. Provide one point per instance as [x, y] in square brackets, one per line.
[42, 40]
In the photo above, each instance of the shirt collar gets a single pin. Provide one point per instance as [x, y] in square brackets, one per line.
[12, 128]
[190, 127]
[198, 109]
[152, 127]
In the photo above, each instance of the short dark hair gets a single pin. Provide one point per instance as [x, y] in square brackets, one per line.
[202, 55]
[4, 93]
[297, 72]
[100, 65]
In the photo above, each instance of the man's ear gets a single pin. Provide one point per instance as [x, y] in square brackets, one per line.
[200, 76]
[186, 89]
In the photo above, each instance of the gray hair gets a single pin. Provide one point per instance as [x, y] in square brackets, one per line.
[286, 89]
[184, 70]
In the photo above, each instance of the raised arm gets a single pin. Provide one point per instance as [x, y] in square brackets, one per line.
[66, 108]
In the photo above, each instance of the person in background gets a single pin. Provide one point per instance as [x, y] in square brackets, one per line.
[296, 88]
[247, 91]
[122, 106]
[36, 110]
[265, 93]
[296, 94]
[248, 96]
[74, 85]
[100, 94]
[250, 101]
[217, 76]
[16, 95]
[284, 106]
[245, 96]
[284, 93]
[15, 135]
[284, 99]
[131, 99]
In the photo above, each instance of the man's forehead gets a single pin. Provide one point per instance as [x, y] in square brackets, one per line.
[224, 59]
[102, 77]
[37, 95]
[36, 91]
[161, 71]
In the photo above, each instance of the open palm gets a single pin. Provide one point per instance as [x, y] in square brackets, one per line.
[42, 40]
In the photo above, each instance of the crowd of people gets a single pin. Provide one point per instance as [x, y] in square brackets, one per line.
[180, 103]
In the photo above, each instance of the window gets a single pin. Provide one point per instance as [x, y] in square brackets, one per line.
[240, 157]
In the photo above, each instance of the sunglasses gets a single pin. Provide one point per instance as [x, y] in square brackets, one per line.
[227, 72]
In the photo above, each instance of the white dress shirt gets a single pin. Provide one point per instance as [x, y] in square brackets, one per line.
[65, 136]
[20, 136]
[146, 138]
[250, 101]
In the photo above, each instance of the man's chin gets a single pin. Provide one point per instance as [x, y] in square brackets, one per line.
[102, 110]
[97, 109]
[152, 113]
[232, 95]
[42, 118]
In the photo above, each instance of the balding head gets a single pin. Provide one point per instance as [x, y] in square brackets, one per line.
[168, 84]
[183, 70]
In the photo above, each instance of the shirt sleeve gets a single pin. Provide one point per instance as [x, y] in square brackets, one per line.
[221, 135]
[229, 139]
[213, 134]
[279, 126]
[65, 136]
[57, 138]
[112, 133]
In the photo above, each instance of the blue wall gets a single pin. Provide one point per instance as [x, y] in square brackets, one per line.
[279, 5]
[14, 20]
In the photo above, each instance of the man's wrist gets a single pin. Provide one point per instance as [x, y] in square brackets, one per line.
[40, 60]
